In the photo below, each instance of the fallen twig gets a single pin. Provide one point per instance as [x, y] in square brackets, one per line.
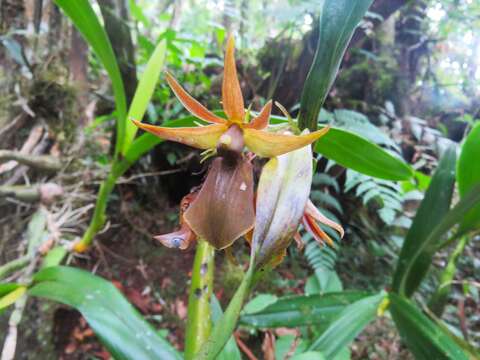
[14, 265]
[42, 162]
[10, 345]
[33, 139]
[45, 193]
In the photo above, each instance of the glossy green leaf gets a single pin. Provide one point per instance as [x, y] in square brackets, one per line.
[8, 298]
[309, 355]
[292, 311]
[6, 288]
[118, 325]
[54, 257]
[87, 22]
[338, 20]
[424, 338]
[144, 92]
[355, 152]
[230, 351]
[347, 326]
[419, 246]
[468, 175]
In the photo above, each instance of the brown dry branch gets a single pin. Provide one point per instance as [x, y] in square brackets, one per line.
[45, 193]
[41, 162]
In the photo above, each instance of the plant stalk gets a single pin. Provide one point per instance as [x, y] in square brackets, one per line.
[226, 325]
[440, 297]
[199, 321]
[99, 215]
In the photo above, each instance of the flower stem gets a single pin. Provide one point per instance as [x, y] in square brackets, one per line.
[99, 217]
[226, 325]
[439, 298]
[199, 321]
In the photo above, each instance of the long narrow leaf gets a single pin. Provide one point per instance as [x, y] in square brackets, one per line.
[468, 175]
[348, 325]
[292, 311]
[144, 92]
[423, 337]
[117, 324]
[419, 245]
[355, 152]
[338, 20]
[230, 351]
[87, 22]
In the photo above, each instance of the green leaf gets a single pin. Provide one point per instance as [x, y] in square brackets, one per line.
[292, 311]
[468, 175]
[355, 152]
[309, 355]
[87, 22]
[347, 326]
[230, 351]
[54, 257]
[338, 20]
[419, 246]
[7, 288]
[424, 338]
[144, 92]
[15, 292]
[323, 281]
[258, 303]
[117, 324]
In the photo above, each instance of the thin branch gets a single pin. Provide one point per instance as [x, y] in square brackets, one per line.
[42, 162]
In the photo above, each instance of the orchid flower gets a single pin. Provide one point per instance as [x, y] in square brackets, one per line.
[223, 210]
[255, 138]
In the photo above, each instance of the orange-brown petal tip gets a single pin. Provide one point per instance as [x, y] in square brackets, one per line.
[261, 121]
[192, 105]
[231, 92]
[312, 211]
[267, 144]
[180, 239]
[200, 137]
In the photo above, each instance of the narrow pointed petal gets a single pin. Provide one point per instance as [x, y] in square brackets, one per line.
[316, 231]
[191, 104]
[180, 239]
[312, 211]
[299, 241]
[223, 210]
[261, 121]
[267, 144]
[201, 137]
[231, 92]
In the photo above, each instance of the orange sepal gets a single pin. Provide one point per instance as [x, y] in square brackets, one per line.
[318, 234]
[231, 92]
[201, 137]
[191, 104]
[267, 144]
[313, 212]
[261, 121]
